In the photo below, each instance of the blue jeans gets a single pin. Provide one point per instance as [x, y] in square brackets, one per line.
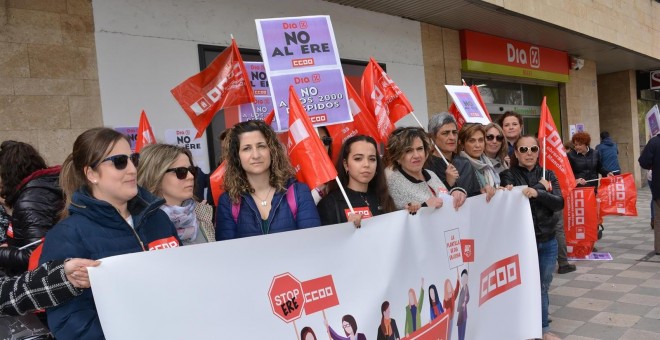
[547, 252]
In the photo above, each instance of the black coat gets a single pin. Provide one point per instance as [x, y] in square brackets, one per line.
[332, 208]
[650, 160]
[587, 166]
[37, 205]
[467, 178]
[545, 204]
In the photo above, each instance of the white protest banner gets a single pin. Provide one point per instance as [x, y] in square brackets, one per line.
[467, 104]
[653, 120]
[259, 287]
[185, 138]
[302, 51]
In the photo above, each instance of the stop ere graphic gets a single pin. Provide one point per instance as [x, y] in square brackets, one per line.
[286, 297]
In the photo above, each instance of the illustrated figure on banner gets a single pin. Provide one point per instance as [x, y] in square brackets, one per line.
[387, 330]
[307, 333]
[414, 309]
[350, 327]
[436, 306]
[448, 302]
[463, 299]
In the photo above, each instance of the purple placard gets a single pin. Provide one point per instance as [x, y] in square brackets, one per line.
[131, 133]
[258, 79]
[471, 108]
[262, 106]
[322, 93]
[297, 43]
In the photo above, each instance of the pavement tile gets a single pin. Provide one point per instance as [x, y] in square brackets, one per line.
[650, 283]
[577, 337]
[596, 277]
[626, 280]
[575, 314]
[615, 287]
[604, 271]
[636, 274]
[613, 265]
[653, 313]
[582, 284]
[590, 304]
[637, 334]
[614, 319]
[646, 300]
[564, 326]
[651, 325]
[600, 332]
[569, 291]
[603, 295]
[630, 256]
[628, 308]
[653, 291]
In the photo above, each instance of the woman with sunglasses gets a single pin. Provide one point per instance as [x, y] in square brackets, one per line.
[261, 194]
[410, 185]
[471, 144]
[106, 214]
[496, 150]
[544, 199]
[167, 171]
[34, 199]
[362, 174]
[458, 173]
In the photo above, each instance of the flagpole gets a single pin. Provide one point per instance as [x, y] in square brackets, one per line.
[432, 141]
[544, 156]
[343, 192]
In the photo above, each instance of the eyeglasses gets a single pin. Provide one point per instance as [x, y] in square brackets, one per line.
[120, 161]
[498, 137]
[327, 140]
[524, 149]
[182, 171]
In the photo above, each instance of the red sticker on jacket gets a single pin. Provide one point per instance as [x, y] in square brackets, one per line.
[10, 231]
[364, 211]
[164, 243]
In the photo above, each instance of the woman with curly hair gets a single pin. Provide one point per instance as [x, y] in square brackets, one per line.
[496, 150]
[167, 171]
[410, 185]
[261, 194]
[32, 194]
[585, 161]
[362, 174]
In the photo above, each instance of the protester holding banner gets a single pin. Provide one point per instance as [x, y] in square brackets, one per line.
[106, 214]
[410, 185]
[442, 130]
[650, 160]
[362, 174]
[496, 150]
[512, 124]
[585, 162]
[31, 192]
[545, 199]
[471, 146]
[167, 171]
[261, 194]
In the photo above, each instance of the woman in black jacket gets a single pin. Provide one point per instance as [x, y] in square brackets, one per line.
[544, 200]
[31, 190]
[585, 161]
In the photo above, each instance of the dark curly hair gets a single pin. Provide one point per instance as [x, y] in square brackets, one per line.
[236, 182]
[18, 160]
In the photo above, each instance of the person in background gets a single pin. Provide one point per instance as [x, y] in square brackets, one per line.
[585, 162]
[608, 152]
[362, 174]
[545, 200]
[649, 179]
[442, 130]
[106, 214]
[410, 185]
[31, 192]
[650, 160]
[167, 171]
[261, 194]
[471, 146]
[496, 150]
[512, 124]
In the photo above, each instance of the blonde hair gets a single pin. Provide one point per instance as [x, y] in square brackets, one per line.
[155, 159]
[504, 147]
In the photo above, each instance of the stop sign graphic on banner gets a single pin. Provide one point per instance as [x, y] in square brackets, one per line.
[286, 297]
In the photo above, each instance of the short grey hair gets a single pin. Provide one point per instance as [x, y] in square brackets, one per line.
[439, 120]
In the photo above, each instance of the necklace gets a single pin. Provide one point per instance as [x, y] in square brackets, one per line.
[264, 202]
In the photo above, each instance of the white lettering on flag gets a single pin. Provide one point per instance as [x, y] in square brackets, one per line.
[298, 131]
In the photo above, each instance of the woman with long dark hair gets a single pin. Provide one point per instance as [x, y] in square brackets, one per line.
[362, 174]
[387, 330]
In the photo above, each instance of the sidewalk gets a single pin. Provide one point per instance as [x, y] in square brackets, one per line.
[617, 299]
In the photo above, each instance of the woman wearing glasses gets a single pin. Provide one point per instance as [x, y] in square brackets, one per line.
[496, 150]
[261, 194]
[471, 144]
[106, 214]
[544, 199]
[410, 185]
[167, 171]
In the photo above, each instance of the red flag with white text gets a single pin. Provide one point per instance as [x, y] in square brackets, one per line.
[145, 135]
[580, 220]
[223, 83]
[306, 151]
[618, 195]
[460, 120]
[383, 98]
[363, 122]
[554, 153]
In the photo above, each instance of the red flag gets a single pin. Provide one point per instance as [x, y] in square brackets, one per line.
[222, 84]
[618, 195]
[306, 151]
[363, 123]
[145, 135]
[553, 151]
[217, 181]
[457, 114]
[580, 221]
[383, 98]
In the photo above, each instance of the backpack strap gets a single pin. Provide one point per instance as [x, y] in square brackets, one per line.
[291, 200]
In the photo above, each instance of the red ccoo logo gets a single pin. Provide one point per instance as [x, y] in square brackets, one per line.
[499, 277]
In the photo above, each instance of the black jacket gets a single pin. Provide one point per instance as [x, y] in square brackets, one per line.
[467, 178]
[37, 205]
[545, 204]
[587, 166]
[332, 208]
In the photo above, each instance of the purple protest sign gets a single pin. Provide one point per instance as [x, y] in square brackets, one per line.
[258, 79]
[260, 110]
[301, 42]
[131, 133]
[263, 105]
[322, 93]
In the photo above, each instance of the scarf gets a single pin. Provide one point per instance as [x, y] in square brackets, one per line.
[184, 219]
[484, 169]
[388, 327]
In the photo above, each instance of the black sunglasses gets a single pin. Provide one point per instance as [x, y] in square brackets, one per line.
[120, 161]
[524, 149]
[498, 137]
[182, 171]
[327, 140]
